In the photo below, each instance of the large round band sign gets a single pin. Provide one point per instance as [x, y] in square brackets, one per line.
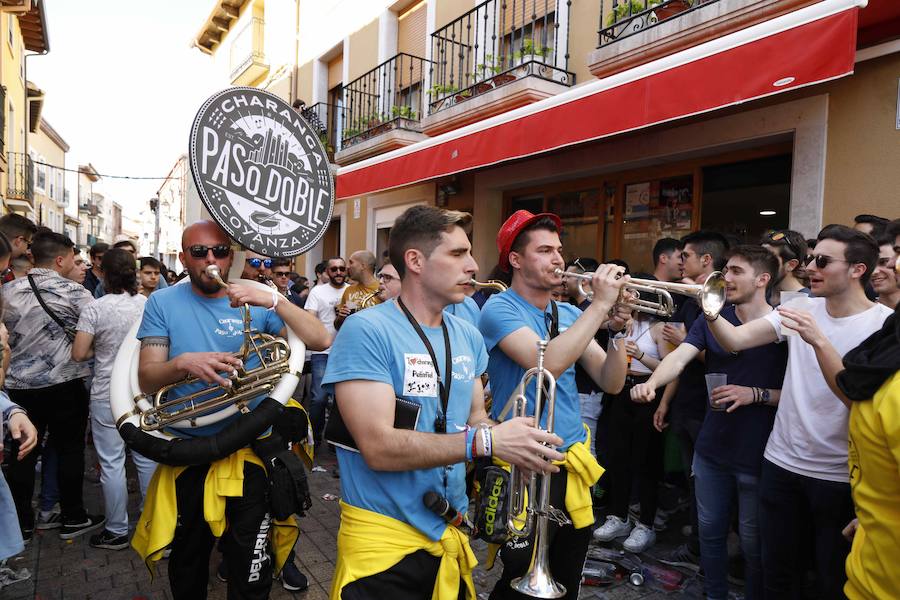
[262, 172]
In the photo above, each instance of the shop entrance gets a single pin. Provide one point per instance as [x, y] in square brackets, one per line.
[748, 198]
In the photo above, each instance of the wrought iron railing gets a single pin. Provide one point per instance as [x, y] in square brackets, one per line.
[247, 47]
[622, 18]
[496, 43]
[390, 96]
[326, 119]
[21, 176]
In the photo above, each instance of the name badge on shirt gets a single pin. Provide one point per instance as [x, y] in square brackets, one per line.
[419, 378]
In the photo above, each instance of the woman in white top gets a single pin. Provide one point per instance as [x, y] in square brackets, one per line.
[102, 327]
[635, 446]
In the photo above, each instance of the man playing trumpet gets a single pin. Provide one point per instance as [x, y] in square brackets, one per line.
[512, 323]
[406, 351]
[195, 330]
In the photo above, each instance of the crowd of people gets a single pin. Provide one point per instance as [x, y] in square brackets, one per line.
[779, 394]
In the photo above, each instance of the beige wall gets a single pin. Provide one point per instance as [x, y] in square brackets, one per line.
[584, 18]
[304, 88]
[862, 173]
[363, 51]
[448, 10]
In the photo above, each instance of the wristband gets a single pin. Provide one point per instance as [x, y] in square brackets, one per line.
[274, 300]
[487, 439]
[641, 357]
[470, 443]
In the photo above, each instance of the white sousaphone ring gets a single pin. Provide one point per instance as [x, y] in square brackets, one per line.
[264, 176]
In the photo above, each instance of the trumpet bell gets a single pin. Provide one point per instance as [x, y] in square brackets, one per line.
[538, 583]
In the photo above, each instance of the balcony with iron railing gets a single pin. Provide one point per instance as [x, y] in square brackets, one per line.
[20, 187]
[324, 119]
[382, 109]
[246, 57]
[500, 55]
[634, 32]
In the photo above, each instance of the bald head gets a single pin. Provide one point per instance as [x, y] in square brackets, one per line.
[361, 267]
[203, 232]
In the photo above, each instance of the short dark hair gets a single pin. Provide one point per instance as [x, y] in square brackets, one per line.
[320, 268]
[5, 246]
[757, 257]
[280, 262]
[149, 261]
[119, 272]
[14, 225]
[524, 236]
[47, 245]
[893, 229]
[861, 247]
[420, 227]
[879, 224]
[665, 245]
[708, 242]
[98, 248]
[298, 103]
[791, 245]
[123, 243]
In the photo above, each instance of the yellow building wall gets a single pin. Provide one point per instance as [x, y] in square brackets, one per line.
[46, 150]
[862, 173]
[304, 87]
[10, 77]
[448, 10]
[584, 19]
[363, 54]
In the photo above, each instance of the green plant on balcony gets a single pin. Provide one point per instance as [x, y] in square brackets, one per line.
[438, 90]
[486, 69]
[349, 133]
[404, 112]
[529, 51]
[628, 8]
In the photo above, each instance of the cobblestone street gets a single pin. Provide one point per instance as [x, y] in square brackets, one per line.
[74, 570]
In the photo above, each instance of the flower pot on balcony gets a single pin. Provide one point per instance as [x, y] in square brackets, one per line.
[503, 79]
[671, 9]
[483, 87]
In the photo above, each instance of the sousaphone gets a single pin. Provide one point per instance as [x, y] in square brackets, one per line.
[263, 174]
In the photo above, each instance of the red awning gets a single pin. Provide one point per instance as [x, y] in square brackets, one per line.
[809, 46]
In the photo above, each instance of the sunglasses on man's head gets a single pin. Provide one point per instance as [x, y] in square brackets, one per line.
[258, 262]
[822, 260]
[219, 251]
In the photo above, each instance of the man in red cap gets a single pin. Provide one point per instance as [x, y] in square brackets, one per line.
[512, 322]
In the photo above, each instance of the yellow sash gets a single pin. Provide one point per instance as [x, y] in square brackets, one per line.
[225, 478]
[370, 543]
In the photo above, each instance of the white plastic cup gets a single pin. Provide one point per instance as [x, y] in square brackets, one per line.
[798, 301]
[714, 380]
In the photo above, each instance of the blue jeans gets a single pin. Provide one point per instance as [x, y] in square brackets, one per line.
[318, 398]
[49, 486]
[715, 487]
[591, 406]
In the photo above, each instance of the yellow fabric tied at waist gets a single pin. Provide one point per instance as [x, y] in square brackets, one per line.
[225, 479]
[370, 543]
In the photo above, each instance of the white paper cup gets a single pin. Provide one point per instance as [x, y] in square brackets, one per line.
[797, 300]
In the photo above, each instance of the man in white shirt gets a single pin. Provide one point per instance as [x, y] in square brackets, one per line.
[805, 471]
[322, 302]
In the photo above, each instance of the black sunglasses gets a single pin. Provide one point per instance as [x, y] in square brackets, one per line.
[219, 250]
[281, 273]
[337, 269]
[257, 262]
[822, 261]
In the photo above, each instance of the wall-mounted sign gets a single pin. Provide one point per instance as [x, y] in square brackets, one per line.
[261, 171]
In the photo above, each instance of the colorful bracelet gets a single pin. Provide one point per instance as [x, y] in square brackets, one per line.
[470, 443]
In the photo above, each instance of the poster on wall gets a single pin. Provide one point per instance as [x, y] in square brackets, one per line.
[637, 200]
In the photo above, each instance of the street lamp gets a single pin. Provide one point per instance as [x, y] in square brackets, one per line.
[154, 206]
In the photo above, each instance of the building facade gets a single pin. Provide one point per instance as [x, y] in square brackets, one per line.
[88, 210]
[737, 115]
[47, 150]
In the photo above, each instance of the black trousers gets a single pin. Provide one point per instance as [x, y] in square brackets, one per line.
[568, 549]
[688, 430]
[412, 578]
[244, 544]
[635, 452]
[62, 410]
[787, 502]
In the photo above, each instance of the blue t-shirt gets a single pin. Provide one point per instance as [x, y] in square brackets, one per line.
[194, 323]
[505, 313]
[379, 344]
[467, 310]
[737, 440]
[689, 402]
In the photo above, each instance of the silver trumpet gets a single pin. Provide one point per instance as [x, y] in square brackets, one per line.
[537, 582]
[710, 295]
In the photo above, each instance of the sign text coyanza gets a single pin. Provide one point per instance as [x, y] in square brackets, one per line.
[262, 172]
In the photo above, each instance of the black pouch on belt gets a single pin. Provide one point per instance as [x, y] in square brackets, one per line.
[288, 487]
[491, 505]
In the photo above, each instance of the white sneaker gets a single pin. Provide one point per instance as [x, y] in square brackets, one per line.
[641, 538]
[612, 529]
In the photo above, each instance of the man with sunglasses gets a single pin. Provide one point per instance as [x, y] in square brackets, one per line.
[321, 302]
[281, 277]
[789, 247]
[256, 267]
[195, 330]
[18, 230]
[804, 472]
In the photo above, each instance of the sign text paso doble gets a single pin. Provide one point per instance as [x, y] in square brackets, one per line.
[261, 171]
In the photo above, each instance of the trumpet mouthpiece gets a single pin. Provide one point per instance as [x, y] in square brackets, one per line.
[212, 271]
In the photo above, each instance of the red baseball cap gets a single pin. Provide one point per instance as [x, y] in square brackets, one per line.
[511, 229]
